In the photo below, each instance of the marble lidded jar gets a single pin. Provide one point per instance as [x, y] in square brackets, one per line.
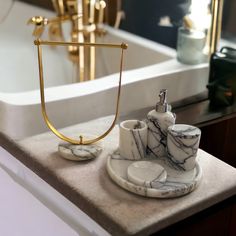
[182, 146]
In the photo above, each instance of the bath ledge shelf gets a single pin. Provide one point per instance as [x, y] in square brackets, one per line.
[90, 188]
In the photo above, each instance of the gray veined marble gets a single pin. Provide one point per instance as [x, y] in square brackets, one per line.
[156, 138]
[182, 146]
[133, 139]
[139, 143]
[158, 120]
[177, 183]
[158, 124]
[79, 152]
[147, 174]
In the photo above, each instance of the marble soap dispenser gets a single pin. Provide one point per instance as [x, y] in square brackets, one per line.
[158, 121]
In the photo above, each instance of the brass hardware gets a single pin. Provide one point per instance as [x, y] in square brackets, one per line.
[81, 140]
[40, 22]
[86, 18]
[59, 7]
[51, 43]
[216, 25]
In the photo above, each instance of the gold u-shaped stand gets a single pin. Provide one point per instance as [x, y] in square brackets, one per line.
[81, 140]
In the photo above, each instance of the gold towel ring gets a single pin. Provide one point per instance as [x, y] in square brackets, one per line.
[81, 141]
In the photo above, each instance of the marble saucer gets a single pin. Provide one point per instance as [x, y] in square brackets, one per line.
[178, 183]
[147, 174]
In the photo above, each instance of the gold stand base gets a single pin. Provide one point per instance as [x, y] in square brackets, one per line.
[75, 152]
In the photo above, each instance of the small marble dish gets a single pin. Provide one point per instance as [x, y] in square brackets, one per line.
[147, 174]
[178, 183]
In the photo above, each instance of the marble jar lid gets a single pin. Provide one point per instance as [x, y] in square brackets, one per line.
[183, 130]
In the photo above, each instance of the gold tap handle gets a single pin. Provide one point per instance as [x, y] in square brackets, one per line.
[40, 22]
[81, 141]
[100, 7]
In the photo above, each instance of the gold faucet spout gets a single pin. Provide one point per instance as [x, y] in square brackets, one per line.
[86, 18]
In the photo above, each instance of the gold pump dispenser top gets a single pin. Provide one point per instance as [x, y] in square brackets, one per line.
[188, 23]
[162, 106]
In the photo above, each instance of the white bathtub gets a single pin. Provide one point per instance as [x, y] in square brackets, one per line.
[149, 67]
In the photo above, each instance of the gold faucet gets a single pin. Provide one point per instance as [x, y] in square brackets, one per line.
[216, 25]
[87, 23]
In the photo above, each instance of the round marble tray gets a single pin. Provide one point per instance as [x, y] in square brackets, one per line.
[178, 183]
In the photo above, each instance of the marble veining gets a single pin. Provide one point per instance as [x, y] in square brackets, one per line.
[159, 137]
[157, 132]
[140, 146]
[186, 131]
[178, 183]
[147, 174]
[79, 152]
[182, 146]
[133, 139]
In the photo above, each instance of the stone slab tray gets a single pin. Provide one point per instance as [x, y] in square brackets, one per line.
[118, 211]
